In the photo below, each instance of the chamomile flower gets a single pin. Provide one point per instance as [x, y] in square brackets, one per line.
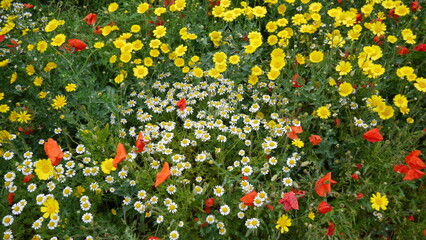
[225, 210]
[218, 191]
[87, 218]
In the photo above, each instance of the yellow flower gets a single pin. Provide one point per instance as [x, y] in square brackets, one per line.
[379, 202]
[42, 94]
[140, 71]
[53, 24]
[253, 79]
[79, 190]
[135, 28]
[234, 59]
[107, 166]
[58, 40]
[410, 120]
[1, 95]
[332, 82]
[13, 116]
[38, 81]
[99, 45]
[44, 169]
[400, 101]
[316, 56]
[50, 208]
[420, 84]
[392, 39]
[4, 108]
[259, 11]
[402, 10]
[298, 143]
[344, 67]
[283, 223]
[4, 63]
[142, 8]
[42, 46]
[71, 87]
[386, 113]
[323, 112]
[345, 89]
[119, 78]
[13, 77]
[160, 31]
[59, 102]
[23, 117]
[113, 7]
[311, 215]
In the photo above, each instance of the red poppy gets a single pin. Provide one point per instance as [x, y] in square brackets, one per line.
[168, 2]
[209, 204]
[153, 238]
[299, 193]
[1, 38]
[53, 151]
[413, 174]
[400, 168]
[248, 199]
[289, 201]
[270, 207]
[355, 176]
[414, 161]
[140, 143]
[294, 131]
[414, 6]
[10, 198]
[90, 18]
[379, 39]
[420, 47]
[359, 17]
[26, 131]
[181, 104]
[323, 185]
[359, 166]
[324, 207]
[163, 175]
[402, 50]
[97, 30]
[315, 139]
[392, 14]
[77, 44]
[411, 218]
[28, 5]
[359, 196]
[27, 178]
[337, 122]
[330, 229]
[373, 135]
[120, 155]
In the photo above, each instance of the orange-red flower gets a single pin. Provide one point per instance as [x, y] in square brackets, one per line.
[248, 199]
[163, 175]
[27, 178]
[402, 50]
[181, 104]
[330, 229]
[315, 139]
[415, 164]
[77, 44]
[140, 143]
[323, 185]
[373, 135]
[120, 155]
[53, 151]
[294, 131]
[324, 207]
[90, 18]
[289, 201]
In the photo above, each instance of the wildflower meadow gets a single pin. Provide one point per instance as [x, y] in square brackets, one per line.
[213, 119]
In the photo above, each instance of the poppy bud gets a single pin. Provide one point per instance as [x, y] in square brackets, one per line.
[359, 196]
[355, 176]
[210, 202]
[10, 198]
[324, 207]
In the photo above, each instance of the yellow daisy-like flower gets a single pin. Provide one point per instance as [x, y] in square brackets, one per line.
[23, 117]
[71, 87]
[298, 143]
[58, 40]
[345, 89]
[283, 223]
[42, 46]
[160, 31]
[316, 56]
[323, 112]
[113, 7]
[379, 202]
[59, 102]
[140, 71]
[107, 166]
[44, 169]
[344, 67]
[50, 208]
